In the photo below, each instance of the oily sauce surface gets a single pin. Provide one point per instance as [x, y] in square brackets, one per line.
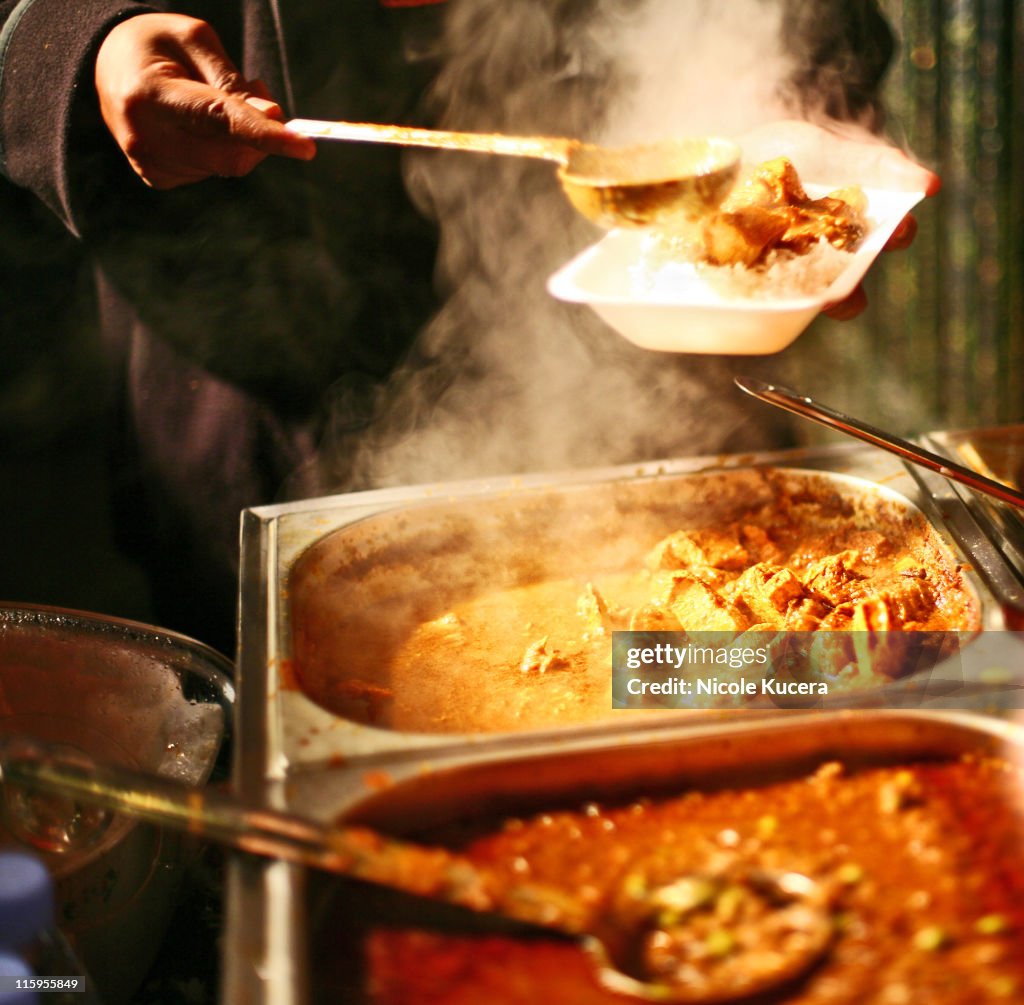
[923, 861]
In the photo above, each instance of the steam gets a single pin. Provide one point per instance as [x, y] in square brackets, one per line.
[505, 378]
[700, 68]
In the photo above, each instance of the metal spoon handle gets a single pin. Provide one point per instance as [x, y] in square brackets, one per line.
[359, 852]
[801, 405]
[550, 148]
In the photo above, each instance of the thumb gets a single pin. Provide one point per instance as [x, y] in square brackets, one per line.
[212, 113]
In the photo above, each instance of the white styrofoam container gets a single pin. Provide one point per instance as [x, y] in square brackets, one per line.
[681, 312]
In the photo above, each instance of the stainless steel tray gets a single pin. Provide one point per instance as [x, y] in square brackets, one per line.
[284, 729]
[294, 755]
[274, 960]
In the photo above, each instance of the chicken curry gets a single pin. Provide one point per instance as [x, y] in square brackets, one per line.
[510, 628]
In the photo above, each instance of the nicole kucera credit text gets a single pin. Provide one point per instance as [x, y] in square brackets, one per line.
[695, 658]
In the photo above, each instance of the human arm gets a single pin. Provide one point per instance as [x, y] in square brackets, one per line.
[51, 134]
[278, 282]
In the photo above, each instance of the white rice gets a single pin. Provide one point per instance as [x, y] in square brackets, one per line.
[669, 265]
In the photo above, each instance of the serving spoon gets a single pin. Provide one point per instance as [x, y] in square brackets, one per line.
[635, 186]
[657, 937]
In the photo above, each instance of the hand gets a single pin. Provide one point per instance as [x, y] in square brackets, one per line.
[838, 157]
[178, 108]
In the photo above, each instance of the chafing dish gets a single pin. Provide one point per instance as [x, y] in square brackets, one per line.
[321, 962]
[295, 755]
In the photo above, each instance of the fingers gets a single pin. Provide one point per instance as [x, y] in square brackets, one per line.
[206, 160]
[903, 236]
[200, 49]
[846, 310]
[192, 132]
[260, 99]
[206, 112]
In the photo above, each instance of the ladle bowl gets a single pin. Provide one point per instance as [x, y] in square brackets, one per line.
[635, 186]
[644, 186]
[790, 931]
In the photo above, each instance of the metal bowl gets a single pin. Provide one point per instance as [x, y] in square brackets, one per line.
[126, 694]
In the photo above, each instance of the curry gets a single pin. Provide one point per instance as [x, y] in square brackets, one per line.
[921, 861]
[508, 625]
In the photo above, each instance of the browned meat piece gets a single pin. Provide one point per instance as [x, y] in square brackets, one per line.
[806, 614]
[759, 544]
[687, 548]
[898, 604]
[742, 238]
[832, 576]
[771, 210]
[537, 659]
[895, 602]
[914, 598]
[699, 608]
[773, 183]
[769, 591]
[821, 218]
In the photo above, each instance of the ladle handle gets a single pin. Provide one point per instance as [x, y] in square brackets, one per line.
[550, 148]
[358, 852]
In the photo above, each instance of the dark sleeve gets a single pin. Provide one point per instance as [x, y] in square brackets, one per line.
[52, 140]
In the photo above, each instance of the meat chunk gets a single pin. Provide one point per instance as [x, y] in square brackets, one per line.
[598, 617]
[771, 210]
[769, 591]
[687, 548]
[760, 545]
[833, 575]
[773, 183]
[898, 605]
[537, 659]
[826, 219]
[698, 607]
[743, 237]
[805, 614]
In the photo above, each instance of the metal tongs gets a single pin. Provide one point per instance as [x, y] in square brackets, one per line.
[801, 405]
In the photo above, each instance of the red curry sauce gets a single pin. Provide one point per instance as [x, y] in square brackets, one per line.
[924, 862]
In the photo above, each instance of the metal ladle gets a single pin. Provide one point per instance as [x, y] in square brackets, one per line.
[793, 908]
[635, 186]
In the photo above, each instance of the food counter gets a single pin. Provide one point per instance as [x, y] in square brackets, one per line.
[356, 759]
